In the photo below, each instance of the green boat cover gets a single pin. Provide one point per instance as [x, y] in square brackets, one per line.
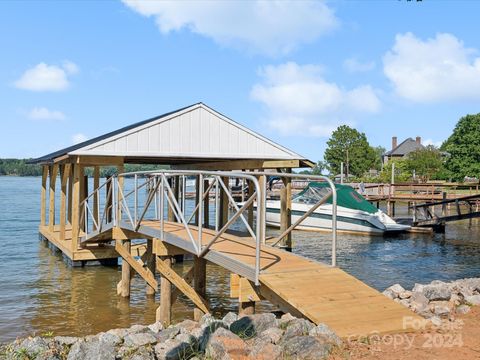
[346, 196]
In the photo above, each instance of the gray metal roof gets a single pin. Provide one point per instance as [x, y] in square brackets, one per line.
[193, 133]
[405, 147]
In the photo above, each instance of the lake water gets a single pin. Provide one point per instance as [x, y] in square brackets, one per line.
[39, 293]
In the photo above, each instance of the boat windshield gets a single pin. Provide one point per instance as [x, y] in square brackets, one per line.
[346, 197]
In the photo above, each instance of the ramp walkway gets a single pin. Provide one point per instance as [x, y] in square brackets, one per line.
[303, 287]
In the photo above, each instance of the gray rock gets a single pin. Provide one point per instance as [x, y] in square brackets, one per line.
[265, 351]
[404, 302]
[186, 326]
[139, 339]
[143, 353]
[272, 335]
[118, 332]
[438, 291]
[473, 300]
[285, 319]
[34, 346]
[418, 288]
[396, 289]
[436, 321]
[225, 345]
[65, 340]
[172, 349]
[92, 350]
[230, 318]
[110, 338]
[167, 334]
[306, 347]
[134, 329]
[389, 294]
[418, 302]
[156, 327]
[207, 319]
[462, 309]
[327, 334]
[250, 325]
[405, 295]
[297, 327]
[441, 308]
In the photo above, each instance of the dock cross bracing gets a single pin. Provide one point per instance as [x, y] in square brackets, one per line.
[218, 225]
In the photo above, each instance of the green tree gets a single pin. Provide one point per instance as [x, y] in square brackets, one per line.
[463, 148]
[351, 147]
[402, 173]
[426, 163]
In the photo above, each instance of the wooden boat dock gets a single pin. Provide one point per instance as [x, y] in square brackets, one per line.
[148, 228]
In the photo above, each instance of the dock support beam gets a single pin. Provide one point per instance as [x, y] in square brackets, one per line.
[199, 283]
[43, 198]
[151, 265]
[124, 290]
[224, 203]
[164, 311]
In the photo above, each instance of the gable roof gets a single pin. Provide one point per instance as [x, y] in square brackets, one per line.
[196, 132]
[406, 147]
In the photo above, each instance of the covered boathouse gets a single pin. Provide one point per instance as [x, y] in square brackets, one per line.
[200, 143]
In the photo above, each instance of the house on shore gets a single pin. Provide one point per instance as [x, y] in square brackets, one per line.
[401, 150]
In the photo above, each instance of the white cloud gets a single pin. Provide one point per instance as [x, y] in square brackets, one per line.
[300, 101]
[44, 77]
[353, 65]
[270, 27]
[42, 113]
[78, 138]
[427, 142]
[436, 69]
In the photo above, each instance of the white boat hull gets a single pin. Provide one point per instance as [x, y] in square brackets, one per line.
[348, 220]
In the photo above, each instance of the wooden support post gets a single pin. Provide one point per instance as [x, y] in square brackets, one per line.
[51, 209]
[124, 290]
[246, 292]
[83, 196]
[164, 311]
[262, 180]
[206, 206]
[389, 208]
[64, 176]
[96, 184]
[120, 169]
[224, 203]
[199, 283]
[393, 209]
[286, 211]
[70, 194]
[43, 197]
[151, 265]
[444, 206]
[77, 169]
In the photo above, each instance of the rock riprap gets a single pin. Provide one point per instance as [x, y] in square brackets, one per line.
[260, 336]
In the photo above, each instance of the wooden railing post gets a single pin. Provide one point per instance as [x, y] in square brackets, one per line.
[64, 176]
[51, 210]
[224, 202]
[77, 170]
[96, 184]
[206, 206]
[286, 211]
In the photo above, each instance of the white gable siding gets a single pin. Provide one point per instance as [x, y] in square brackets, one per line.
[197, 131]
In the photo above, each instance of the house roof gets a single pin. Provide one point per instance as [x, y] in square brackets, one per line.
[187, 135]
[405, 147]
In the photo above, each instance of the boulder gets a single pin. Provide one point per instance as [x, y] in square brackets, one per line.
[297, 327]
[34, 346]
[389, 293]
[143, 353]
[118, 332]
[250, 325]
[325, 333]
[65, 340]
[306, 347]
[186, 326]
[265, 351]
[225, 345]
[92, 350]
[405, 295]
[230, 318]
[396, 289]
[285, 319]
[110, 338]
[272, 335]
[172, 349]
[137, 329]
[167, 334]
[418, 288]
[139, 339]
[441, 308]
[418, 302]
[156, 327]
[437, 291]
[473, 300]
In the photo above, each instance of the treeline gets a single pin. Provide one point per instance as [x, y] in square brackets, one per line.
[457, 159]
[20, 167]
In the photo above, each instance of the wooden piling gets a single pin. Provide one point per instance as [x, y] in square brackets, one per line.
[77, 169]
[199, 283]
[223, 203]
[164, 311]
[43, 196]
[126, 271]
[151, 265]
[64, 176]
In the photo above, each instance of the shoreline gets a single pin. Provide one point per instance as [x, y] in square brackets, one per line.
[443, 305]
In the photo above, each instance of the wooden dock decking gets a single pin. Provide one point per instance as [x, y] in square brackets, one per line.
[320, 293]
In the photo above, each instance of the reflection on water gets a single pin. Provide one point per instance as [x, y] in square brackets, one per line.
[40, 293]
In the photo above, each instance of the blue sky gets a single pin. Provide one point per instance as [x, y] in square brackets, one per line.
[292, 71]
